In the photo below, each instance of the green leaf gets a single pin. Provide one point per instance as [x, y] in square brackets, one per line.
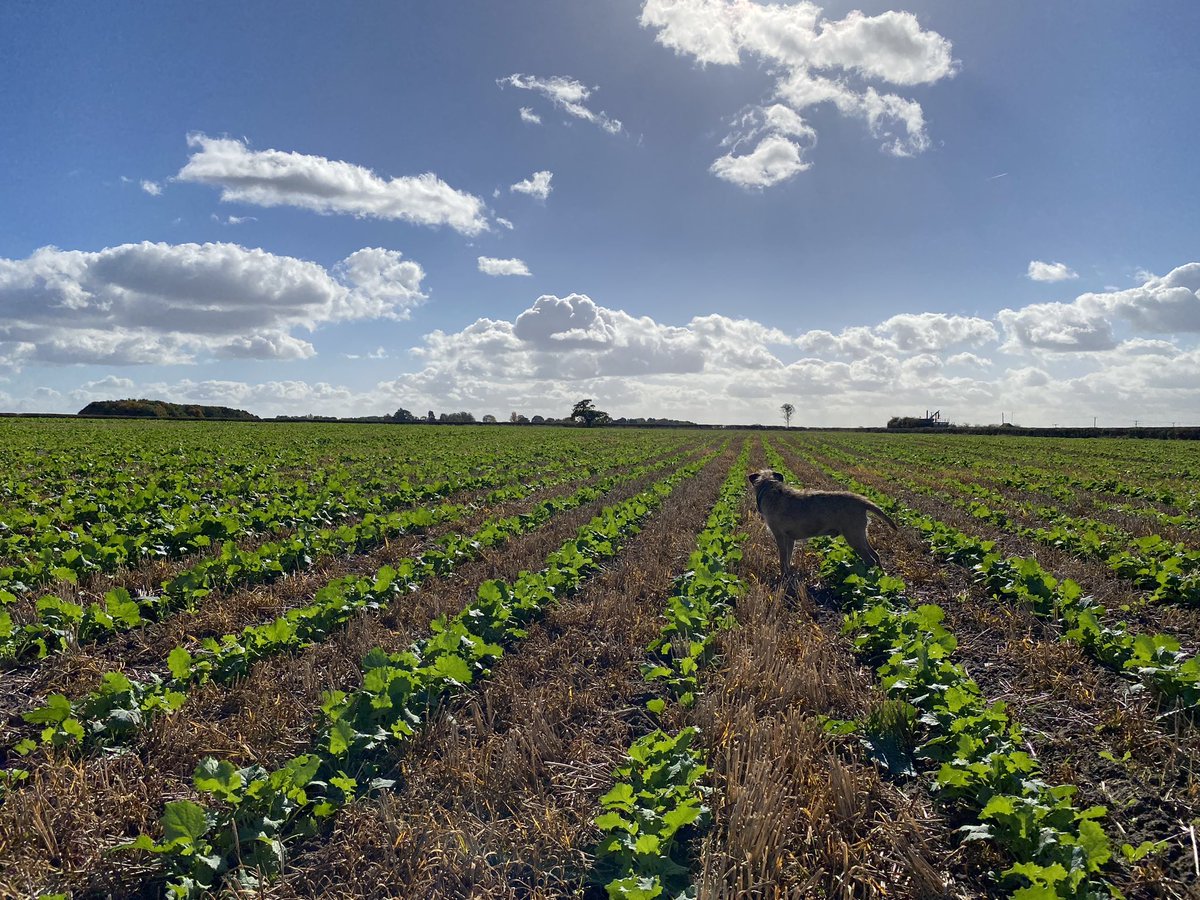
[1093, 839]
[647, 844]
[656, 706]
[620, 796]
[453, 668]
[218, 778]
[185, 822]
[56, 709]
[341, 736]
[614, 821]
[682, 815]
[1141, 851]
[634, 888]
[141, 842]
[179, 661]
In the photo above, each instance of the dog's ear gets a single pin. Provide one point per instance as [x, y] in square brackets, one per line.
[754, 476]
[777, 476]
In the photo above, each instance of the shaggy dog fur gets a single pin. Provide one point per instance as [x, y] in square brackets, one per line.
[795, 515]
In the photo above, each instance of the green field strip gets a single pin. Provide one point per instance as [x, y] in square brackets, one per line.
[244, 834]
[1058, 850]
[1167, 571]
[63, 622]
[122, 706]
[1007, 469]
[1156, 661]
[193, 525]
[658, 801]
[1154, 462]
[1054, 485]
[167, 517]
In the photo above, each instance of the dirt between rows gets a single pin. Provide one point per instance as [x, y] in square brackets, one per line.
[1116, 594]
[497, 798]
[1071, 710]
[54, 832]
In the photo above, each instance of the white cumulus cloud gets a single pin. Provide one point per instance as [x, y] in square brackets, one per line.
[1144, 362]
[816, 60]
[1167, 304]
[489, 265]
[281, 178]
[528, 115]
[153, 188]
[536, 185]
[161, 303]
[1055, 271]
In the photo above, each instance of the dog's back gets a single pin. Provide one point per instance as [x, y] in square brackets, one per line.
[804, 514]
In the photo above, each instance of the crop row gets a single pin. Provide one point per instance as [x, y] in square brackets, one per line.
[61, 622]
[107, 528]
[1058, 850]
[1062, 486]
[1155, 660]
[659, 795]
[121, 706]
[1131, 476]
[256, 814]
[1167, 570]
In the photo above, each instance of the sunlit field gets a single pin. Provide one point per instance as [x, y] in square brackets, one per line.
[292, 659]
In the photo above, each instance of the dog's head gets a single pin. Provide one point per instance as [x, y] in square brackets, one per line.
[757, 478]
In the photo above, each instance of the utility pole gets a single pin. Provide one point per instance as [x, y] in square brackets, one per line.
[1093, 421]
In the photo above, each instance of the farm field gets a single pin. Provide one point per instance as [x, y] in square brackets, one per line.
[306, 659]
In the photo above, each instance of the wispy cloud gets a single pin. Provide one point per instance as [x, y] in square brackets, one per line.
[565, 93]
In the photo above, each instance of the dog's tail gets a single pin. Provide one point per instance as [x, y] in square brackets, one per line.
[871, 507]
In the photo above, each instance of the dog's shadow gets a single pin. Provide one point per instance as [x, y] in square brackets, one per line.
[802, 593]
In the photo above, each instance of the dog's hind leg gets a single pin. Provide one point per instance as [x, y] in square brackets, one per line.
[863, 547]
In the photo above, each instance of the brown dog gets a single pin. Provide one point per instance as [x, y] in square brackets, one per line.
[795, 515]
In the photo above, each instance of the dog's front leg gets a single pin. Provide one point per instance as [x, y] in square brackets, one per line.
[785, 545]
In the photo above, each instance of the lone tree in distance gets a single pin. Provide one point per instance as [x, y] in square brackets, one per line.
[585, 411]
[788, 410]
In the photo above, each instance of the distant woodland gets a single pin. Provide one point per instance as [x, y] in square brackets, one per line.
[159, 409]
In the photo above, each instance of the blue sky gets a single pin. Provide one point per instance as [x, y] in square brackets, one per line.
[726, 226]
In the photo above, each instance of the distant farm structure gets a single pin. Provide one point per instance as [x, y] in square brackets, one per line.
[929, 420]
